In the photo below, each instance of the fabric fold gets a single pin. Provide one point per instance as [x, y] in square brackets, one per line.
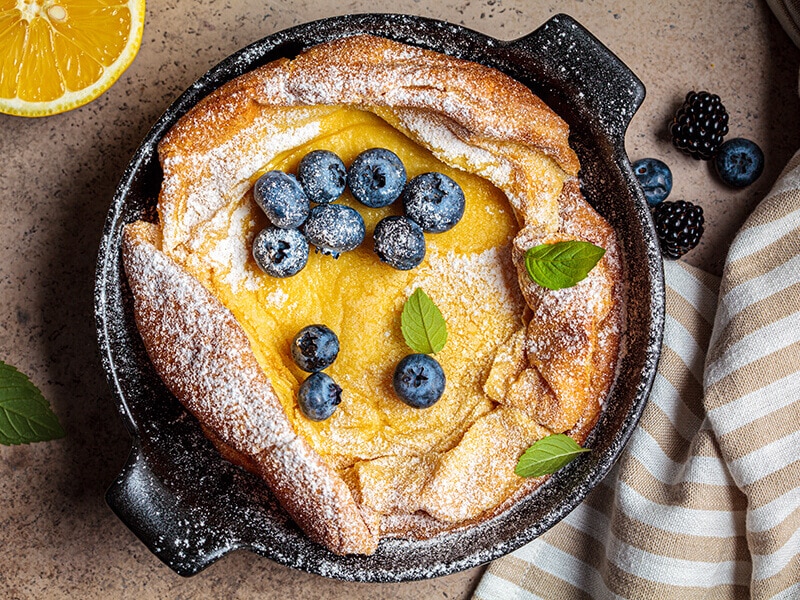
[705, 500]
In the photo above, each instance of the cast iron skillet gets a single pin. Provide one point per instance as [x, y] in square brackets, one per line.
[190, 507]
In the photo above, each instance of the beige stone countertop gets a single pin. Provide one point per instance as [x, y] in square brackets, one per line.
[58, 539]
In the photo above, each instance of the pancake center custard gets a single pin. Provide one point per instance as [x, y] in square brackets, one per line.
[467, 271]
[521, 362]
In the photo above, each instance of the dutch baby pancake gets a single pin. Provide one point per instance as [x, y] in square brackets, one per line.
[521, 361]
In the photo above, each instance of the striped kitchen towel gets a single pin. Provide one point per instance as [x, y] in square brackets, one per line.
[788, 15]
[705, 500]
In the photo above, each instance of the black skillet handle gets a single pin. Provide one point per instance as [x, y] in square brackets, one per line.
[587, 72]
[162, 520]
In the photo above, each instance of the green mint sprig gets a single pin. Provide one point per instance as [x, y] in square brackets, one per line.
[548, 455]
[562, 264]
[25, 415]
[422, 324]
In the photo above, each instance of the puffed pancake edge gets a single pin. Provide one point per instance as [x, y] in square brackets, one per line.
[203, 355]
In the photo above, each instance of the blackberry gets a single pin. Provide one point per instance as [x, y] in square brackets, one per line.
[679, 226]
[699, 126]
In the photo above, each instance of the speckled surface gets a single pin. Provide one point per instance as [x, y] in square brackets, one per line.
[59, 539]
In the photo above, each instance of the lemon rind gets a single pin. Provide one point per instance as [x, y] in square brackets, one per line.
[75, 99]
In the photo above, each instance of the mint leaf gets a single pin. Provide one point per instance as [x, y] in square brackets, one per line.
[548, 455]
[422, 324]
[562, 264]
[25, 415]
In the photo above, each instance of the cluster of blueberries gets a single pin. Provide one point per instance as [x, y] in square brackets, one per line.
[315, 348]
[432, 203]
[418, 379]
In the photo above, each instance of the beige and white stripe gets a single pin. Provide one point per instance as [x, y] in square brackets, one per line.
[705, 500]
[788, 14]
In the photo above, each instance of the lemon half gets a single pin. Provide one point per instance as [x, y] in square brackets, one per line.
[56, 55]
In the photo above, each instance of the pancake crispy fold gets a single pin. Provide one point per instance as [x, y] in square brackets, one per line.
[550, 372]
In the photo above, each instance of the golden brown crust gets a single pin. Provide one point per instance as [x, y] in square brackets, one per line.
[567, 358]
[221, 384]
[554, 372]
[470, 116]
[483, 102]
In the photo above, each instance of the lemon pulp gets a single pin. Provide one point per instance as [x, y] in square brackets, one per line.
[59, 54]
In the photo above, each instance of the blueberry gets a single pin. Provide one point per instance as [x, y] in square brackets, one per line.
[282, 198]
[376, 177]
[434, 201]
[314, 348]
[739, 162]
[322, 175]
[334, 228]
[399, 242]
[655, 178]
[419, 380]
[319, 396]
[280, 252]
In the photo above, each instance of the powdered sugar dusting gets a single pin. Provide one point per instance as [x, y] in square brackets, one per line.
[517, 151]
[211, 180]
[233, 400]
[199, 349]
[231, 252]
[481, 278]
[433, 132]
[277, 298]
